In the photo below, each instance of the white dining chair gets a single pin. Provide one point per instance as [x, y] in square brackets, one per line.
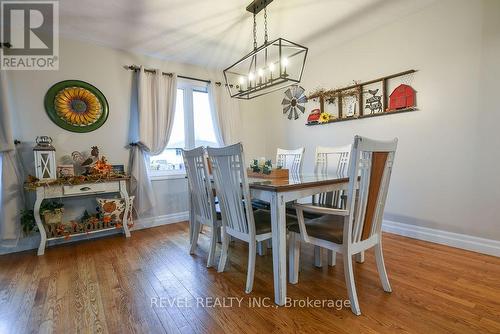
[287, 159]
[202, 200]
[357, 227]
[290, 159]
[238, 219]
[330, 161]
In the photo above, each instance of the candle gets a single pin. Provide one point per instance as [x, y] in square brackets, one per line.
[285, 64]
[261, 74]
[251, 77]
[271, 70]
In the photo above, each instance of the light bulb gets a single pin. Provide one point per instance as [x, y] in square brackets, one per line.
[251, 76]
[271, 67]
[260, 72]
[285, 62]
[242, 80]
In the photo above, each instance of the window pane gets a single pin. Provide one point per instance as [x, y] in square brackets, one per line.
[171, 158]
[177, 137]
[203, 126]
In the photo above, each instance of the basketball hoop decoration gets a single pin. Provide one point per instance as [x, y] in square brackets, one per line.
[294, 99]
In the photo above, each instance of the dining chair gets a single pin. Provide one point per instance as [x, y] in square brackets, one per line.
[238, 219]
[330, 161]
[357, 227]
[290, 159]
[202, 199]
[287, 159]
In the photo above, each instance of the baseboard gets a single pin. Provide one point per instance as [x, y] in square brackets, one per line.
[457, 240]
[161, 220]
[33, 241]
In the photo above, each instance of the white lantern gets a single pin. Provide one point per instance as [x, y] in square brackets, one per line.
[45, 159]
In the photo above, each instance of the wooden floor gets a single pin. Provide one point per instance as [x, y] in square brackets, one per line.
[107, 285]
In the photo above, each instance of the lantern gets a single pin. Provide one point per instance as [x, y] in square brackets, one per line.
[45, 159]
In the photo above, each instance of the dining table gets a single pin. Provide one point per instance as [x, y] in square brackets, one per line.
[278, 192]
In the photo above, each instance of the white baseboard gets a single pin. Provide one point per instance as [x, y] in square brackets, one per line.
[161, 220]
[457, 240]
[33, 241]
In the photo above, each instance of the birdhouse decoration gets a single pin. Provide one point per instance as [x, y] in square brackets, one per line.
[402, 97]
[45, 159]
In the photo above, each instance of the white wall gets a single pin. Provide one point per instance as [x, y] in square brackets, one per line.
[445, 171]
[102, 67]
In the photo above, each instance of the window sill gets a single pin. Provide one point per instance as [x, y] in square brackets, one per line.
[170, 176]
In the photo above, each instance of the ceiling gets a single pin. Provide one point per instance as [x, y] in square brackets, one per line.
[215, 33]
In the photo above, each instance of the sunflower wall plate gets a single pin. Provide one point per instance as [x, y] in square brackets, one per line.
[76, 106]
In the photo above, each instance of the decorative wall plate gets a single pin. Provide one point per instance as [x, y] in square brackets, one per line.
[76, 106]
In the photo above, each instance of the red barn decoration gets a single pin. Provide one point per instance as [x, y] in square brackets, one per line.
[402, 97]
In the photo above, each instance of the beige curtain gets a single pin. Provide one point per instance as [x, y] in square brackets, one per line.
[11, 178]
[156, 95]
[225, 113]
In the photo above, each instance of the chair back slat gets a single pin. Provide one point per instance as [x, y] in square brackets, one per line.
[370, 171]
[231, 184]
[333, 161]
[199, 184]
[290, 159]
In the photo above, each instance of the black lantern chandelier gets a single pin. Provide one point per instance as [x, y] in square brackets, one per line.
[272, 66]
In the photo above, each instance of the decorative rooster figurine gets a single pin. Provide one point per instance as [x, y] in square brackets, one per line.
[79, 158]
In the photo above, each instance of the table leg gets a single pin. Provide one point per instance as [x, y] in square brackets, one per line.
[278, 226]
[125, 197]
[360, 257]
[38, 219]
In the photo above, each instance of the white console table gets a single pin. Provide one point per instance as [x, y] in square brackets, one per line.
[80, 190]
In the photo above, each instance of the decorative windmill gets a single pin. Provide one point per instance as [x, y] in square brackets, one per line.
[294, 99]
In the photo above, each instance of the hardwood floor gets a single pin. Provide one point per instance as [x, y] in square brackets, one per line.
[107, 285]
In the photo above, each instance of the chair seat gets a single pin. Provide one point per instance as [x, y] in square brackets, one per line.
[259, 204]
[262, 220]
[327, 227]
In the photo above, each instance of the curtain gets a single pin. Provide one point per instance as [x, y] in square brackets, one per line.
[156, 95]
[11, 178]
[225, 114]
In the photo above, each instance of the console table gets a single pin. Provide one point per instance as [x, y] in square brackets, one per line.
[80, 190]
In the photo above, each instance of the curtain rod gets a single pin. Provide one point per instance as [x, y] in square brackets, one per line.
[136, 68]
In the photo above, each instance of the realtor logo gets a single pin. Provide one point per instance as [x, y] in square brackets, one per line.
[32, 30]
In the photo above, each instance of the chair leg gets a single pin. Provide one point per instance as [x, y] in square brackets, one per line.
[332, 258]
[196, 233]
[223, 253]
[293, 258]
[269, 244]
[251, 266]
[213, 243]
[318, 256]
[379, 258]
[360, 257]
[349, 282]
[261, 248]
[219, 236]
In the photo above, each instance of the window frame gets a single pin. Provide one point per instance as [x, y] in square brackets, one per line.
[188, 87]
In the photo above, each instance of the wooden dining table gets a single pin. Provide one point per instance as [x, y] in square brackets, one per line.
[278, 192]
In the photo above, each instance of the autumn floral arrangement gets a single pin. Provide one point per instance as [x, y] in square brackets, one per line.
[96, 169]
[109, 213]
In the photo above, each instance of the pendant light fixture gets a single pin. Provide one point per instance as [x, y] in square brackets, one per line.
[272, 66]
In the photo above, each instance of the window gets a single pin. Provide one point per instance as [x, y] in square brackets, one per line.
[193, 127]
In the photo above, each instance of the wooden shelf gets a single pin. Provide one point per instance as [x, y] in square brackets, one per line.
[385, 113]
